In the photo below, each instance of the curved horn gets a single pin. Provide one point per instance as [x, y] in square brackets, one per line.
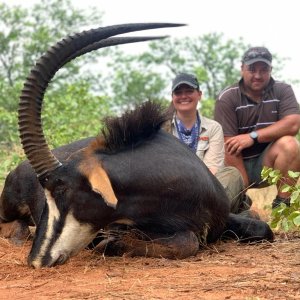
[31, 99]
[113, 42]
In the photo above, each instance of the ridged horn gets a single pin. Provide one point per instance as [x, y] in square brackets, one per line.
[31, 98]
[113, 42]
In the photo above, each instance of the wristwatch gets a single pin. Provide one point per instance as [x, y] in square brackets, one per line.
[254, 136]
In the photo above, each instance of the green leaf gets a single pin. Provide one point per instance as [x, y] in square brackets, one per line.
[297, 220]
[294, 196]
[285, 225]
[275, 173]
[293, 174]
[286, 188]
[293, 215]
[265, 172]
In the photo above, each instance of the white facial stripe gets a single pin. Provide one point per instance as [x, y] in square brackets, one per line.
[52, 218]
[74, 237]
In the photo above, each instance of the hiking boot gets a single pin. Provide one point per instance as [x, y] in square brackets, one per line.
[249, 213]
[278, 200]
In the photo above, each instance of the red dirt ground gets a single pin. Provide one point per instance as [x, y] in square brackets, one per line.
[225, 270]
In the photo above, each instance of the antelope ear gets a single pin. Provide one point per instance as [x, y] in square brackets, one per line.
[99, 181]
[101, 184]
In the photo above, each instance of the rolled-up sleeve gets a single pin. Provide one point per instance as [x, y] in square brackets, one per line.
[211, 145]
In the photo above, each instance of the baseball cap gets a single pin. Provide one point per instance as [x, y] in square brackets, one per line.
[185, 78]
[256, 54]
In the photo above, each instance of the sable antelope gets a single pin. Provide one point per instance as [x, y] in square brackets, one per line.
[134, 176]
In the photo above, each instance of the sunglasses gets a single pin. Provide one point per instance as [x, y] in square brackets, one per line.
[257, 54]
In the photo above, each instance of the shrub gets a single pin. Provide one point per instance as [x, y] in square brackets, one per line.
[286, 218]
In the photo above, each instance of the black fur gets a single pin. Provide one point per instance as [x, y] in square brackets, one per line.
[160, 184]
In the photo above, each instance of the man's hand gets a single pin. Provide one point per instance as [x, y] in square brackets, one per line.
[234, 145]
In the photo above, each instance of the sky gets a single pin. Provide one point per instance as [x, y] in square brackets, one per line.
[270, 23]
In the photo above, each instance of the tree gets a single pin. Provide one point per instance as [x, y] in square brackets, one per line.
[148, 75]
[131, 81]
[25, 34]
[215, 60]
[212, 59]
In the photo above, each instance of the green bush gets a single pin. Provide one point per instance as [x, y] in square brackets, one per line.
[9, 159]
[286, 218]
[69, 113]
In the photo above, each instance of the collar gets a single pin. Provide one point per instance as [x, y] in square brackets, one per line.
[202, 119]
[204, 122]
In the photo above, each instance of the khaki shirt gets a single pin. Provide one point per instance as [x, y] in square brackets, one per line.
[210, 147]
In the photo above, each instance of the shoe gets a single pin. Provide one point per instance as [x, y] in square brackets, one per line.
[249, 213]
[247, 202]
[278, 200]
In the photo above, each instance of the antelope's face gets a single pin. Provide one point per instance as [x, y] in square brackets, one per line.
[73, 214]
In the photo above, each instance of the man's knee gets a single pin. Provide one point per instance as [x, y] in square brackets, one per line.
[287, 148]
[287, 145]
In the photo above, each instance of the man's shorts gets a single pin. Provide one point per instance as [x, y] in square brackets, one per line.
[254, 167]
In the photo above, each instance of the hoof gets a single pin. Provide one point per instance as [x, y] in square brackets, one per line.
[17, 232]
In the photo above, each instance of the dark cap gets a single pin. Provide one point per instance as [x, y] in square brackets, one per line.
[256, 54]
[185, 78]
